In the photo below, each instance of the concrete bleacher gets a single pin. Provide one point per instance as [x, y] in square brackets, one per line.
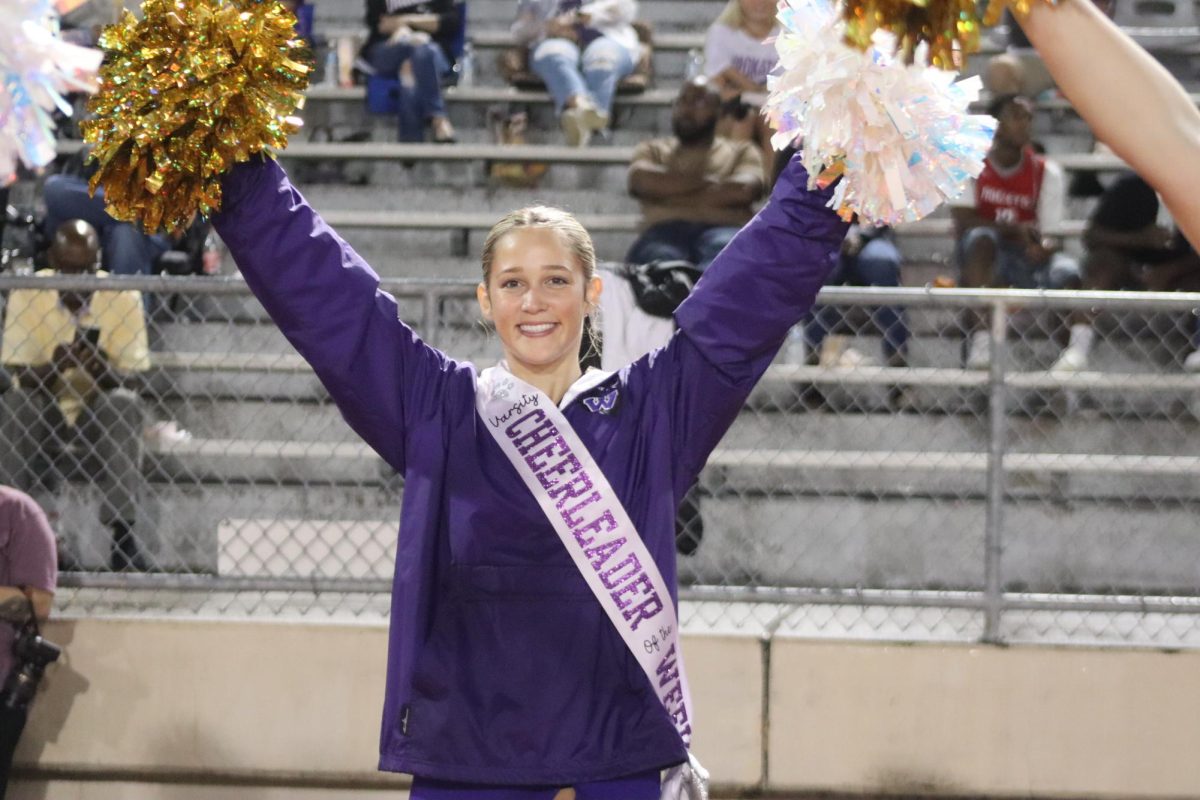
[793, 496]
[856, 494]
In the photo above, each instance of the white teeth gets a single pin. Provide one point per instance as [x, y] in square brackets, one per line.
[542, 328]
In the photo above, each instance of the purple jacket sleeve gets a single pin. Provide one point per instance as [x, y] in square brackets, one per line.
[327, 302]
[739, 314]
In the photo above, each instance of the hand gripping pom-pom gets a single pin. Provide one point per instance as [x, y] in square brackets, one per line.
[36, 70]
[186, 92]
[899, 135]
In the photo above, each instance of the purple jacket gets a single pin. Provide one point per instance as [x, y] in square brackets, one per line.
[502, 667]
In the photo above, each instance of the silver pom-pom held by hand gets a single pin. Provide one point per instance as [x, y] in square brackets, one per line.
[900, 136]
[37, 70]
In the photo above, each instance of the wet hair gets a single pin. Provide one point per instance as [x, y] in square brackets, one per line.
[572, 233]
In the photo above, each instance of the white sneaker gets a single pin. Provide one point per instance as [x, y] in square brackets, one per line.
[574, 128]
[594, 119]
[166, 433]
[581, 121]
[852, 359]
[979, 351]
[1192, 362]
[1070, 361]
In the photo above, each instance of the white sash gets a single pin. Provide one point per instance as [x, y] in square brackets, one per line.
[607, 550]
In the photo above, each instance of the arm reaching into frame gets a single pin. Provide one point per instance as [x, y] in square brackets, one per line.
[1130, 101]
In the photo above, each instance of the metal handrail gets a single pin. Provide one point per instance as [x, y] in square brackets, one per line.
[412, 288]
[793, 596]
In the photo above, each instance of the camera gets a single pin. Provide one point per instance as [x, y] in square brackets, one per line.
[32, 654]
[736, 107]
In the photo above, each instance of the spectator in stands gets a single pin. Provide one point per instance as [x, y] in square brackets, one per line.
[869, 257]
[125, 248]
[696, 188]
[737, 59]
[82, 22]
[73, 356]
[413, 41]
[28, 576]
[304, 21]
[1001, 217]
[1128, 247]
[581, 51]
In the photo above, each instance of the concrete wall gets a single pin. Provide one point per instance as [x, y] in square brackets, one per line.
[1019, 721]
[158, 708]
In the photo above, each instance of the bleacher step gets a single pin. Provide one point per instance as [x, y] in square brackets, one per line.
[890, 542]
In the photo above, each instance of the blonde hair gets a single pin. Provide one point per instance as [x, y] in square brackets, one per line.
[573, 234]
[731, 16]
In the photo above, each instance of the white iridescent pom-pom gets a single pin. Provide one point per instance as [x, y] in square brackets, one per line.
[36, 70]
[900, 136]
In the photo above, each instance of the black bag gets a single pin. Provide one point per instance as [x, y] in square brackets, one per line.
[660, 286]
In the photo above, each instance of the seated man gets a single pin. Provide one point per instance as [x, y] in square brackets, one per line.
[125, 249]
[72, 355]
[1000, 219]
[869, 258]
[696, 188]
[1129, 248]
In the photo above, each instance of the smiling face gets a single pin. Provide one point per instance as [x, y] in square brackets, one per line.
[537, 294]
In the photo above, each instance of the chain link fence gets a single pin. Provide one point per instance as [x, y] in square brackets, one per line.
[867, 490]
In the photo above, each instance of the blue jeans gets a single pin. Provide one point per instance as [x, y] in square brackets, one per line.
[676, 240]
[1012, 268]
[593, 73]
[124, 248]
[423, 100]
[877, 264]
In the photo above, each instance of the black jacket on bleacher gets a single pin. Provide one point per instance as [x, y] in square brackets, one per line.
[448, 19]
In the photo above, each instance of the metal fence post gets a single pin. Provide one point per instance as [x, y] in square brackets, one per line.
[430, 321]
[993, 545]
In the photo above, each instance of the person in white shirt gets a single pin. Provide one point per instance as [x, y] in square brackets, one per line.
[581, 51]
[738, 55]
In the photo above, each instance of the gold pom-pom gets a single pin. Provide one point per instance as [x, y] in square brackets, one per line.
[185, 93]
[995, 9]
[950, 28]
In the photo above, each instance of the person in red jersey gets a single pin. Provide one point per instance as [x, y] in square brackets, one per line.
[1002, 218]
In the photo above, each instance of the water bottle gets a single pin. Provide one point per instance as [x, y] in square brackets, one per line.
[695, 63]
[330, 78]
[466, 66]
[213, 254]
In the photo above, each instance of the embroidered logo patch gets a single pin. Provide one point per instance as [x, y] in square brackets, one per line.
[602, 404]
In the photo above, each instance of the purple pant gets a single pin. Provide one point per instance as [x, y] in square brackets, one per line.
[643, 786]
